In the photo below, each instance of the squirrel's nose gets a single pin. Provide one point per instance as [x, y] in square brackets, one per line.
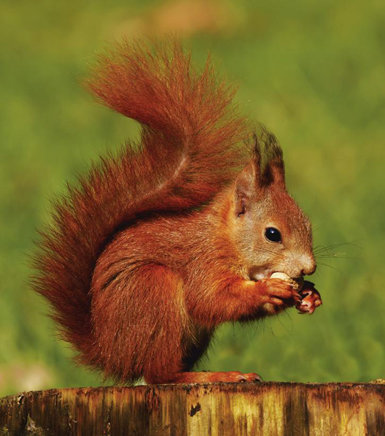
[306, 264]
[309, 269]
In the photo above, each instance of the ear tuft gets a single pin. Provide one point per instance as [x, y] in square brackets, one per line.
[268, 159]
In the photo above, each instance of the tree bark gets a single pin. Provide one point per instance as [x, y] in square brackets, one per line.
[214, 409]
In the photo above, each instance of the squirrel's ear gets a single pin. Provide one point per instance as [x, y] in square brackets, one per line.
[268, 159]
[245, 188]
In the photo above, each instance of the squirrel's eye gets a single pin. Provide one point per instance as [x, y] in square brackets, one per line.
[273, 234]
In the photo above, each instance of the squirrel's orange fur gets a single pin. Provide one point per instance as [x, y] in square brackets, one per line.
[160, 245]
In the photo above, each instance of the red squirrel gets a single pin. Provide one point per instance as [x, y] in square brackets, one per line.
[176, 235]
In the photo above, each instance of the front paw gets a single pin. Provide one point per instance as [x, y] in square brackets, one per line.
[279, 294]
[310, 299]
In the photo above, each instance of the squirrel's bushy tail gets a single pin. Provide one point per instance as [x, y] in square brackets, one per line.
[189, 150]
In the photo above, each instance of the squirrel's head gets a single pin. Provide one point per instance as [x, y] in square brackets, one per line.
[271, 231]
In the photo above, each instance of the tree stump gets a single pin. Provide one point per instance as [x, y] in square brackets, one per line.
[211, 409]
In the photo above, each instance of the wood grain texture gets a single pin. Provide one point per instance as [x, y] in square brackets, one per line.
[215, 409]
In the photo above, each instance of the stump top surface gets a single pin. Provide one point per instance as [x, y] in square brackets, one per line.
[268, 408]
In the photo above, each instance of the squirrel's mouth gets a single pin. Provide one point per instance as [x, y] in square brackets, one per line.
[259, 274]
[271, 275]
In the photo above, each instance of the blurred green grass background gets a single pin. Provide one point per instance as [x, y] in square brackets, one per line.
[312, 71]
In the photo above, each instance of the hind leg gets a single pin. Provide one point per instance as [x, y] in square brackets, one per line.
[194, 344]
[216, 377]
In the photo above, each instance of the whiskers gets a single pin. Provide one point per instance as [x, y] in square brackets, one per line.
[340, 251]
[330, 251]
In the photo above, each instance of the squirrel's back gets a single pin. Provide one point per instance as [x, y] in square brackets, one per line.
[188, 152]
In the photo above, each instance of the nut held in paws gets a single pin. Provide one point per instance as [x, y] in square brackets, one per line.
[280, 275]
